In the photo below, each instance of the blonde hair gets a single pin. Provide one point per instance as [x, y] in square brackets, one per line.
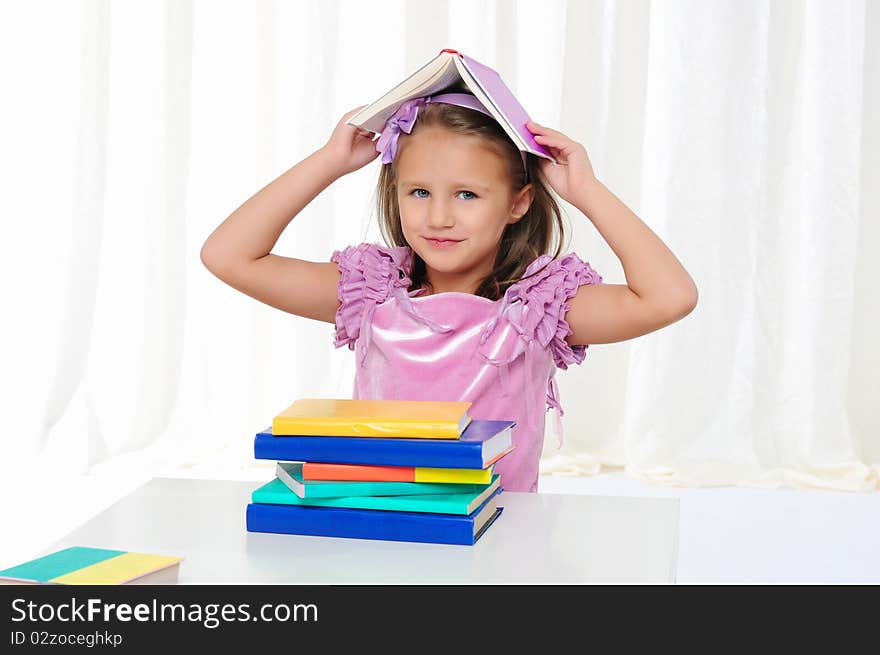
[539, 231]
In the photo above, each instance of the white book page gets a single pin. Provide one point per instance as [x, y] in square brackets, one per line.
[438, 74]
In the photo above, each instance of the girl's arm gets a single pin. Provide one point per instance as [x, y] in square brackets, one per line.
[658, 290]
[239, 251]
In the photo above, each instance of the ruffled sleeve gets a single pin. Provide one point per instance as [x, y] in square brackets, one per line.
[370, 274]
[546, 288]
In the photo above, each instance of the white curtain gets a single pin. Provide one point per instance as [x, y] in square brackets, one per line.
[740, 132]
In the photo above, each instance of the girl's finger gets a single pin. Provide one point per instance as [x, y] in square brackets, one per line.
[553, 133]
[561, 143]
[546, 131]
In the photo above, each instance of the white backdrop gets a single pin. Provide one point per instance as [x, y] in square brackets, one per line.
[740, 132]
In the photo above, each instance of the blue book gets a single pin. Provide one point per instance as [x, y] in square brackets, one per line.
[482, 443]
[374, 523]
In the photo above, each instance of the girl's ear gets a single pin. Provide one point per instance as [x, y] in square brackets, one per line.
[522, 201]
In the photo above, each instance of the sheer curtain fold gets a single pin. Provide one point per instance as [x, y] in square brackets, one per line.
[741, 133]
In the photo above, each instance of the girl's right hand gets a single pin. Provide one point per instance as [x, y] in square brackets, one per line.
[351, 147]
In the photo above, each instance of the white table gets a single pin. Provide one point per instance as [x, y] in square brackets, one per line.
[538, 539]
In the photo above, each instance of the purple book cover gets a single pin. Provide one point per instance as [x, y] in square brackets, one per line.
[503, 98]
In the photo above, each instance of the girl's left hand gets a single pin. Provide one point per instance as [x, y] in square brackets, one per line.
[574, 174]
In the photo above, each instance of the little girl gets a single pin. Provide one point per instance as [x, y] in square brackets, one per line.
[464, 303]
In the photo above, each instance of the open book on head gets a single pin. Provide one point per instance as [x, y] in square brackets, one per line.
[454, 72]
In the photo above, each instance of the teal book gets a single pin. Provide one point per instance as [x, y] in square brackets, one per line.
[277, 493]
[290, 473]
[78, 565]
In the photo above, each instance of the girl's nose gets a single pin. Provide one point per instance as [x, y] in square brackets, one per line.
[440, 215]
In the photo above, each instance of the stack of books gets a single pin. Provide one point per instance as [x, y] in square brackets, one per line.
[380, 469]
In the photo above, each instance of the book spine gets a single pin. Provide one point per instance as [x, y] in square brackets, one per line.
[351, 450]
[360, 524]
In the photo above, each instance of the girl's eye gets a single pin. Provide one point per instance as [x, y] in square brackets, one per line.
[472, 194]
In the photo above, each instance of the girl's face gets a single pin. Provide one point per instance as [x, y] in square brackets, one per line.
[451, 187]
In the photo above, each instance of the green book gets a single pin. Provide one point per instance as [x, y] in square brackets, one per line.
[53, 565]
[77, 565]
[290, 473]
[277, 493]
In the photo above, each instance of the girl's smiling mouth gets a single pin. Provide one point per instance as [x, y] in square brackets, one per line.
[442, 243]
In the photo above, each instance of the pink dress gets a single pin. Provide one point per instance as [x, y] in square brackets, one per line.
[499, 355]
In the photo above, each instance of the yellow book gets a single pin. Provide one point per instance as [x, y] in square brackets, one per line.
[404, 419]
[78, 565]
[119, 570]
